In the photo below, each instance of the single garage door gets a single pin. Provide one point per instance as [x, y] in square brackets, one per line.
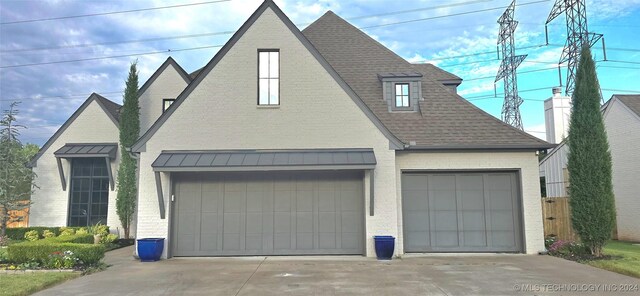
[461, 212]
[268, 213]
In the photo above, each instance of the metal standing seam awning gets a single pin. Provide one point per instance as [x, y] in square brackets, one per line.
[108, 151]
[262, 160]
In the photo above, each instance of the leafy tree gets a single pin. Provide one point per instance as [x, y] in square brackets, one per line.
[129, 132]
[16, 179]
[589, 164]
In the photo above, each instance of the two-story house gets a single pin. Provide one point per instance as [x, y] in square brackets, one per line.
[302, 142]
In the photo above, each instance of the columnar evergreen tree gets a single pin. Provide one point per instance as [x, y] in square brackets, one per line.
[129, 132]
[16, 179]
[589, 163]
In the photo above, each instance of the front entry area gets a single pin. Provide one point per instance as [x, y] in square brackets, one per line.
[267, 213]
[461, 212]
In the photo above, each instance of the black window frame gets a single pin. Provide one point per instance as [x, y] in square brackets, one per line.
[401, 95]
[164, 102]
[258, 76]
[90, 179]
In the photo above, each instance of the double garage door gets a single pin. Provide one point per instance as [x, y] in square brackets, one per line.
[268, 213]
[461, 212]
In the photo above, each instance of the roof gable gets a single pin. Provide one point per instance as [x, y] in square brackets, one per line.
[110, 108]
[445, 120]
[168, 62]
[631, 101]
[202, 73]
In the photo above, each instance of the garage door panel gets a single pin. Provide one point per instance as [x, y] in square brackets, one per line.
[460, 212]
[474, 238]
[271, 213]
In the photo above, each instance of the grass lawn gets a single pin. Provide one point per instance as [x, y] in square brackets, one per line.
[25, 284]
[629, 264]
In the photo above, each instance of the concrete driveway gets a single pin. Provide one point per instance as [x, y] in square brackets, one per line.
[431, 275]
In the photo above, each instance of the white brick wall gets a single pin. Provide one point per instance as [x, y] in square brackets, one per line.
[314, 113]
[623, 132]
[527, 162]
[168, 85]
[50, 203]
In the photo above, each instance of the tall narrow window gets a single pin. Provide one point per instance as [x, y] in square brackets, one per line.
[89, 197]
[402, 94]
[166, 103]
[268, 77]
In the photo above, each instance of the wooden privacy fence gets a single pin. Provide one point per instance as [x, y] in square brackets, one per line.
[556, 216]
[24, 222]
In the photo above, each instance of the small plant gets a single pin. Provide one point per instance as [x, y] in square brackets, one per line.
[67, 231]
[98, 231]
[109, 238]
[32, 235]
[48, 233]
[4, 241]
[63, 260]
[568, 249]
[29, 265]
[81, 231]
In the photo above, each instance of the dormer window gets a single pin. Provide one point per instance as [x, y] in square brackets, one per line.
[166, 103]
[268, 77]
[401, 90]
[402, 94]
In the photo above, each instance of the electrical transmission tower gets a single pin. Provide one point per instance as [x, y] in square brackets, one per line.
[510, 61]
[577, 36]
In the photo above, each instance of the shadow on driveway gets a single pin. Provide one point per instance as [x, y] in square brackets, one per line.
[349, 275]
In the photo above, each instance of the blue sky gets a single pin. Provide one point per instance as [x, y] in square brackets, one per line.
[50, 93]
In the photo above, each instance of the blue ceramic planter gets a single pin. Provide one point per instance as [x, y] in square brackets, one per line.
[384, 246]
[150, 249]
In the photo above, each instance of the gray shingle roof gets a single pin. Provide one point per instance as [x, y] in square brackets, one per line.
[446, 120]
[111, 107]
[436, 73]
[631, 101]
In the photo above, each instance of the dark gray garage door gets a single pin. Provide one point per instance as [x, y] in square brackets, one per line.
[268, 213]
[461, 212]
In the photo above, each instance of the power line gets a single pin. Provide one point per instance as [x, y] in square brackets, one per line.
[419, 9]
[622, 90]
[110, 57]
[450, 15]
[60, 96]
[110, 13]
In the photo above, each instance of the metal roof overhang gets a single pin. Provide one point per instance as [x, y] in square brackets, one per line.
[264, 160]
[108, 151]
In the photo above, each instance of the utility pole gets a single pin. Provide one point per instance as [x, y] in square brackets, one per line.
[507, 71]
[577, 36]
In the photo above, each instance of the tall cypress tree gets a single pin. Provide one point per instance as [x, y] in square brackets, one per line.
[589, 164]
[129, 132]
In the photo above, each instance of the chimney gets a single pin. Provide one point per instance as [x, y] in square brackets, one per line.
[557, 111]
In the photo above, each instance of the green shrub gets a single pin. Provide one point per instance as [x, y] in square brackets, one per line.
[41, 250]
[32, 235]
[109, 238]
[76, 239]
[82, 230]
[67, 231]
[48, 233]
[18, 233]
[99, 229]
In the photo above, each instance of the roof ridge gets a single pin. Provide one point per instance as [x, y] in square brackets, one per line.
[361, 33]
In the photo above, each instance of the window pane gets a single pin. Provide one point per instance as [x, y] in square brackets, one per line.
[274, 64]
[405, 89]
[398, 89]
[264, 92]
[263, 60]
[398, 101]
[274, 92]
[405, 101]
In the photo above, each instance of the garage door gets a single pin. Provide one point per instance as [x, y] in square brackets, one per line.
[268, 213]
[461, 212]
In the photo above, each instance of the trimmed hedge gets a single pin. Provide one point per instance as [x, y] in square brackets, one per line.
[18, 233]
[41, 249]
